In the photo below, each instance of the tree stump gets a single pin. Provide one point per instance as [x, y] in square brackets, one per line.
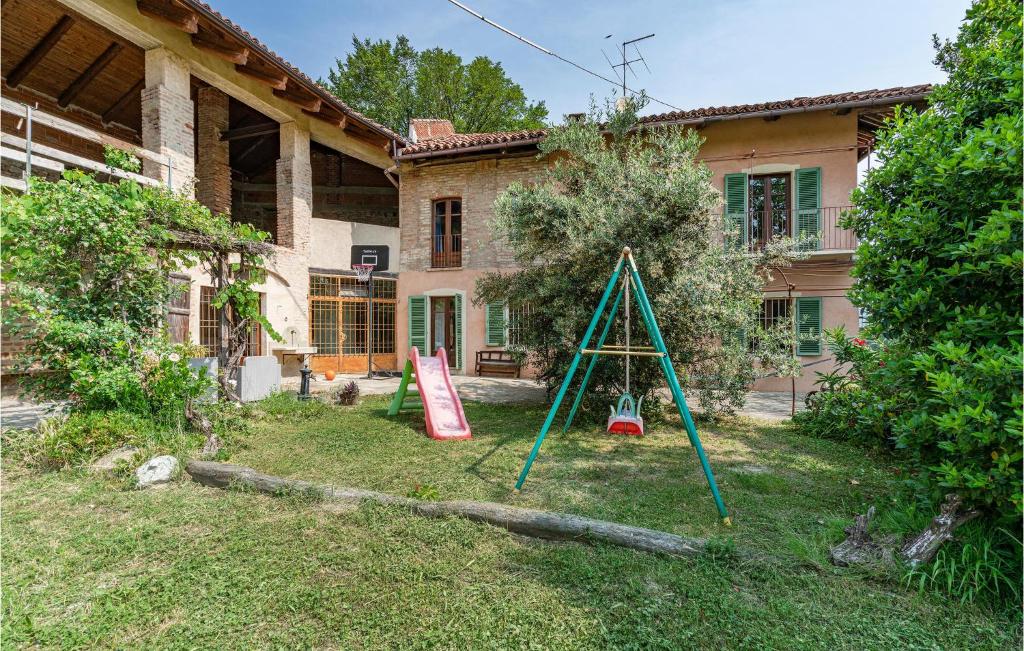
[923, 547]
[859, 548]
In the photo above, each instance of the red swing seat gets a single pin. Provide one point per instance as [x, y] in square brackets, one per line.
[626, 420]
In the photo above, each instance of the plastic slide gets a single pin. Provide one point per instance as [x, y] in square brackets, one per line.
[441, 405]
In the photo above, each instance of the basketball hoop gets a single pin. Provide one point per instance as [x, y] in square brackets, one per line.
[363, 271]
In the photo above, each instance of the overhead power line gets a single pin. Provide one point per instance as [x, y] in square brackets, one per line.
[523, 39]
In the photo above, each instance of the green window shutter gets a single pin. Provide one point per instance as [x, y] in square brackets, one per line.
[808, 206]
[808, 325]
[458, 331]
[418, 335]
[495, 326]
[735, 221]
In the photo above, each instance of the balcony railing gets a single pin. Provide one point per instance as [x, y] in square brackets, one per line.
[760, 227]
[34, 158]
[446, 251]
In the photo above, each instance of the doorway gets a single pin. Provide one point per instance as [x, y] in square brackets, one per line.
[442, 326]
[769, 196]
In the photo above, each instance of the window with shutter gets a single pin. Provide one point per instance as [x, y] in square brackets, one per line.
[808, 325]
[808, 207]
[495, 324]
[735, 222]
[458, 331]
[418, 334]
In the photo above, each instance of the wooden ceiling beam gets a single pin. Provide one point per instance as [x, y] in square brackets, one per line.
[275, 81]
[41, 49]
[340, 121]
[308, 102]
[252, 131]
[123, 101]
[230, 52]
[170, 13]
[251, 148]
[95, 68]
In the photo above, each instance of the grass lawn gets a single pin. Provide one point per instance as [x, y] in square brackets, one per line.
[87, 563]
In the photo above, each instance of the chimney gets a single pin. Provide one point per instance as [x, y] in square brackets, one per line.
[423, 129]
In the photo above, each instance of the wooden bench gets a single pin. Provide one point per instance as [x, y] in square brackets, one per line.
[496, 362]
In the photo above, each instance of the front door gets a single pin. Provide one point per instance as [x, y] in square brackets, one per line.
[769, 208]
[442, 315]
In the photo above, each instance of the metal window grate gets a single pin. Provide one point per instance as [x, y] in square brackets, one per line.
[774, 311]
[209, 325]
[383, 328]
[518, 318]
[209, 322]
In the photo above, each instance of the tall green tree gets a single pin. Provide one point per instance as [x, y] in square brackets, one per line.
[392, 82]
[939, 269]
[611, 185]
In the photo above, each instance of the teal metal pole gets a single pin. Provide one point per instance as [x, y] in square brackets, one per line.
[572, 371]
[677, 392]
[593, 362]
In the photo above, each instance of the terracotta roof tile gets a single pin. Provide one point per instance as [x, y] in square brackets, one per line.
[325, 94]
[810, 103]
[462, 141]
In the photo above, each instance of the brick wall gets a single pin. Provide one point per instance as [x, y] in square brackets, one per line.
[347, 189]
[478, 184]
[213, 168]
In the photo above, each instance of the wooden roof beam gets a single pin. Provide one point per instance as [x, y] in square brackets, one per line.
[230, 52]
[340, 121]
[41, 49]
[123, 101]
[94, 69]
[275, 81]
[252, 131]
[170, 13]
[256, 144]
[308, 102]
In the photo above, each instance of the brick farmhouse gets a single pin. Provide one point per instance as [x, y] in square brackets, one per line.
[214, 113]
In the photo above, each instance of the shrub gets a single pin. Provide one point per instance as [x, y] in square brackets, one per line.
[347, 395]
[841, 407]
[939, 269]
[84, 436]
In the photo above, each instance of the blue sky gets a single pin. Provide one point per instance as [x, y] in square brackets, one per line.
[704, 53]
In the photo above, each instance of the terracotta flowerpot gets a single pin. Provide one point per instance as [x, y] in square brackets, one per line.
[329, 375]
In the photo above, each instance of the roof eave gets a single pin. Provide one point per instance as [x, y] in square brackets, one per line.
[273, 60]
[834, 106]
[468, 150]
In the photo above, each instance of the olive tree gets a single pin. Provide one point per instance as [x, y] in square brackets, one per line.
[610, 184]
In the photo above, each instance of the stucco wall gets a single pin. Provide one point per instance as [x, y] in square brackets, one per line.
[332, 242]
[819, 139]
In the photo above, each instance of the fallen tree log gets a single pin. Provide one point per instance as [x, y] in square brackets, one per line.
[528, 522]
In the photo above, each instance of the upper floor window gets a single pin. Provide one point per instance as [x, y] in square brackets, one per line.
[446, 234]
[768, 197]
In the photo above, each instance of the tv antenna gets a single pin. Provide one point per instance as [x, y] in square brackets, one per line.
[626, 61]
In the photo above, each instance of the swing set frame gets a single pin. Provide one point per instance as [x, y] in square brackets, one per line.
[656, 350]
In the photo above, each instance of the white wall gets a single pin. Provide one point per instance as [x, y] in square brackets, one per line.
[332, 242]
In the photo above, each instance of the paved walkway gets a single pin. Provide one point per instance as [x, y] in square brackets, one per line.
[769, 405]
[15, 413]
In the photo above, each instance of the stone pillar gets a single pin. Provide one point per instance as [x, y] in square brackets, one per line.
[213, 167]
[294, 190]
[167, 114]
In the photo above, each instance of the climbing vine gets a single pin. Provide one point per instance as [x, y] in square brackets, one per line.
[86, 273]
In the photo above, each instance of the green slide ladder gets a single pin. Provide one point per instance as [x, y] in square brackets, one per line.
[404, 397]
[626, 262]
